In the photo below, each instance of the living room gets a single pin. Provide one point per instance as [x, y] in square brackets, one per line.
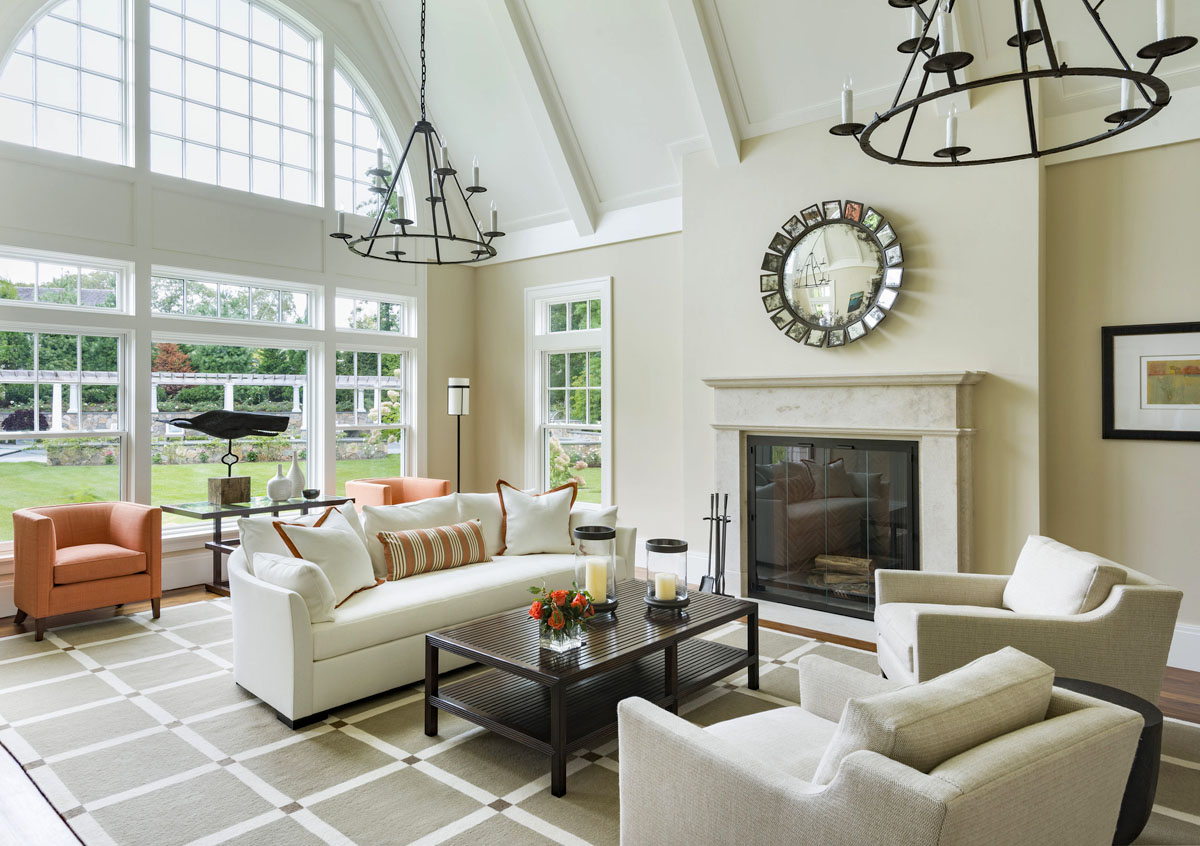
[580, 314]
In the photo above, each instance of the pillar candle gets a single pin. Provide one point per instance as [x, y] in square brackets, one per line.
[848, 100]
[341, 221]
[952, 128]
[946, 30]
[596, 582]
[495, 219]
[664, 585]
[1126, 94]
[475, 171]
[1166, 19]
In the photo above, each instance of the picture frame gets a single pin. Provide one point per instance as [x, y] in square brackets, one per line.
[886, 235]
[816, 338]
[856, 301]
[832, 209]
[837, 337]
[780, 243]
[1150, 382]
[893, 255]
[768, 282]
[855, 331]
[887, 298]
[892, 277]
[781, 319]
[773, 301]
[811, 215]
[794, 226]
[872, 219]
[853, 211]
[874, 317]
[796, 331]
[772, 262]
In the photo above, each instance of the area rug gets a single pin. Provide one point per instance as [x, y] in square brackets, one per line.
[136, 733]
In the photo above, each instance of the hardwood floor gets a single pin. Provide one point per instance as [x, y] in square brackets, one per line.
[178, 596]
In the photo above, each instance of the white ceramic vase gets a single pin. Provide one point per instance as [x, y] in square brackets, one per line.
[296, 477]
[280, 487]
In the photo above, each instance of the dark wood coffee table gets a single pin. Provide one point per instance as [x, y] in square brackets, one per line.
[557, 703]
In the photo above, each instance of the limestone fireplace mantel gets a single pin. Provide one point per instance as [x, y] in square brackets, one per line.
[934, 409]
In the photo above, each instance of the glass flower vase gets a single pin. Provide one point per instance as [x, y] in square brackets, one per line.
[561, 640]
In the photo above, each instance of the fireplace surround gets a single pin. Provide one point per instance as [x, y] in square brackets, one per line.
[935, 411]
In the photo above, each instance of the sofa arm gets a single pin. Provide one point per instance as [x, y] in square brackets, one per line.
[368, 493]
[1123, 643]
[34, 546]
[139, 527]
[826, 685]
[627, 549]
[272, 642]
[939, 588]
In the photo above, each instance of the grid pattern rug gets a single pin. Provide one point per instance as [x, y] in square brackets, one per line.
[136, 733]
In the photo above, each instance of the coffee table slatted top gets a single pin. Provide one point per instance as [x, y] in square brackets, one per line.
[510, 639]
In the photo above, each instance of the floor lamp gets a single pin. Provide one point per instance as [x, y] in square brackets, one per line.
[458, 403]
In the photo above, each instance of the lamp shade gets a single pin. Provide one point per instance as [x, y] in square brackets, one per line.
[458, 396]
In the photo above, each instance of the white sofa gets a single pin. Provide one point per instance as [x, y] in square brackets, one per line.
[376, 640]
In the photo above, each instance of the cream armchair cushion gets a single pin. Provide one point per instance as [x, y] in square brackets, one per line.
[924, 725]
[1052, 578]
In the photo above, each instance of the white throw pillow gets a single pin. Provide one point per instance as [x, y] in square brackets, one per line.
[334, 547]
[582, 515]
[484, 507]
[923, 725]
[538, 522]
[303, 577]
[1051, 578]
[422, 514]
[258, 534]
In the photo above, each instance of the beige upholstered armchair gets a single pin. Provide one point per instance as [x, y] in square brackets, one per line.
[1087, 617]
[995, 756]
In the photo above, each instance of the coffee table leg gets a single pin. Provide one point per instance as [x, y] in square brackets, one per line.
[558, 739]
[752, 649]
[431, 689]
[671, 665]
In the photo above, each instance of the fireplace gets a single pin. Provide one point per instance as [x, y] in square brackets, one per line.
[824, 514]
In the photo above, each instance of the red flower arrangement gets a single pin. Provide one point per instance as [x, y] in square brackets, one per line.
[561, 613]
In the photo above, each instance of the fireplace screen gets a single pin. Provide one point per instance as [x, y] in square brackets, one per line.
[825, 515]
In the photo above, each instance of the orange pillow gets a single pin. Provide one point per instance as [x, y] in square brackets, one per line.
[416, 551]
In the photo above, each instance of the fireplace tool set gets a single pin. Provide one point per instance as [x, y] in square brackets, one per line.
[718, 533]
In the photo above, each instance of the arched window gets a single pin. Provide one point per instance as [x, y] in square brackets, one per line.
[232, 97]
[357, 139]
[63, 87]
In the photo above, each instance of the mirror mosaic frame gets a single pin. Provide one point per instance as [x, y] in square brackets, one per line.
[772, 287]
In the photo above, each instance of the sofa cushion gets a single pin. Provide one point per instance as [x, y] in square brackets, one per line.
[922, 725]
[1051, 578]
[302, 577]
[332, 545]
[789, 739]
[484, 507]
[793, 480]
[258, 534]
[429, 550]
[536, 523]
[438, 600]
[830, 480]
[896, 623]
[87, 562]
[422, 514]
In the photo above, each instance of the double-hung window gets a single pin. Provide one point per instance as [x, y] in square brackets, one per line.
[373, 413]
[569, 387]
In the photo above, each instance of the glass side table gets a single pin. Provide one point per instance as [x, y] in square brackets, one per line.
[257, 505]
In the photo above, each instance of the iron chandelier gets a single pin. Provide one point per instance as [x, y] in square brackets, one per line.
[449, 247]
[941, 56]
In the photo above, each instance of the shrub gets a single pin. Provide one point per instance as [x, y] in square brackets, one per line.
[22, 421]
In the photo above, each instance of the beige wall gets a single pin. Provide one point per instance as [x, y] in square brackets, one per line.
[451, 348]
[969, 301]
[647, 420]
[1120, 250]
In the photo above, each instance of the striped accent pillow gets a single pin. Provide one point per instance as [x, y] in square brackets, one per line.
[417, 551]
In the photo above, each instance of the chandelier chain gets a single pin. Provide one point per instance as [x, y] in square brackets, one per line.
[422, 59]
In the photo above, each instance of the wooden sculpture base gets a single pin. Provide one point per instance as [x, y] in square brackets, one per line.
[225, 490]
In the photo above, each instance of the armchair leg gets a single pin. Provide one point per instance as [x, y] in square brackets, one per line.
[40, 625]
[156, 607]
[20, 618]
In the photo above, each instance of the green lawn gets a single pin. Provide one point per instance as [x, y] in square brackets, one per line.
[27, 483]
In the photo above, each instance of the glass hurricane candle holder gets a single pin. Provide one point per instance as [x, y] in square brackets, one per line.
[596, 565]
[666, 573]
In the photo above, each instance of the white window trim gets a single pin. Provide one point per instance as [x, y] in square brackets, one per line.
[410, 303]
[315, 293]
[345, 343]
[538, 342]
[123, 269]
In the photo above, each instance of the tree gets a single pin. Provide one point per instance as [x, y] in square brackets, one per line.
[169, 358]
[8, 291]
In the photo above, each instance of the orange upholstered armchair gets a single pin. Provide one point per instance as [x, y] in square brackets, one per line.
[69, 558]
[395, 490]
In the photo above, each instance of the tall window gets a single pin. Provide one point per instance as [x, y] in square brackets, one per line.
[62, 422]
[372, 414]
[357, 140]
[190, 378]
[568, 376]
[231, 98]
[63, 88]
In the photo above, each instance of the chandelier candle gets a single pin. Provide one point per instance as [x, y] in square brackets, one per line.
[952, 128]
[848, 100]
[1126, 94]
[475, 171]
[946, 30]
[1166, 19]
[379, 158]
[495, 218]
[916, 26]
[444, 158]
[1026, 8]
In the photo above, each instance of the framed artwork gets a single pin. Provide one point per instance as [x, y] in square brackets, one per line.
[856, 301]
[1150, 387]
[887, 235]
[833, 209]
[872, 219]
[780, 243]
[773, 301]
[853, 211]
[811, 215]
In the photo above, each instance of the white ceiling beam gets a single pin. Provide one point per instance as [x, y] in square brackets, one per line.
[517, 34]
[696, 41]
